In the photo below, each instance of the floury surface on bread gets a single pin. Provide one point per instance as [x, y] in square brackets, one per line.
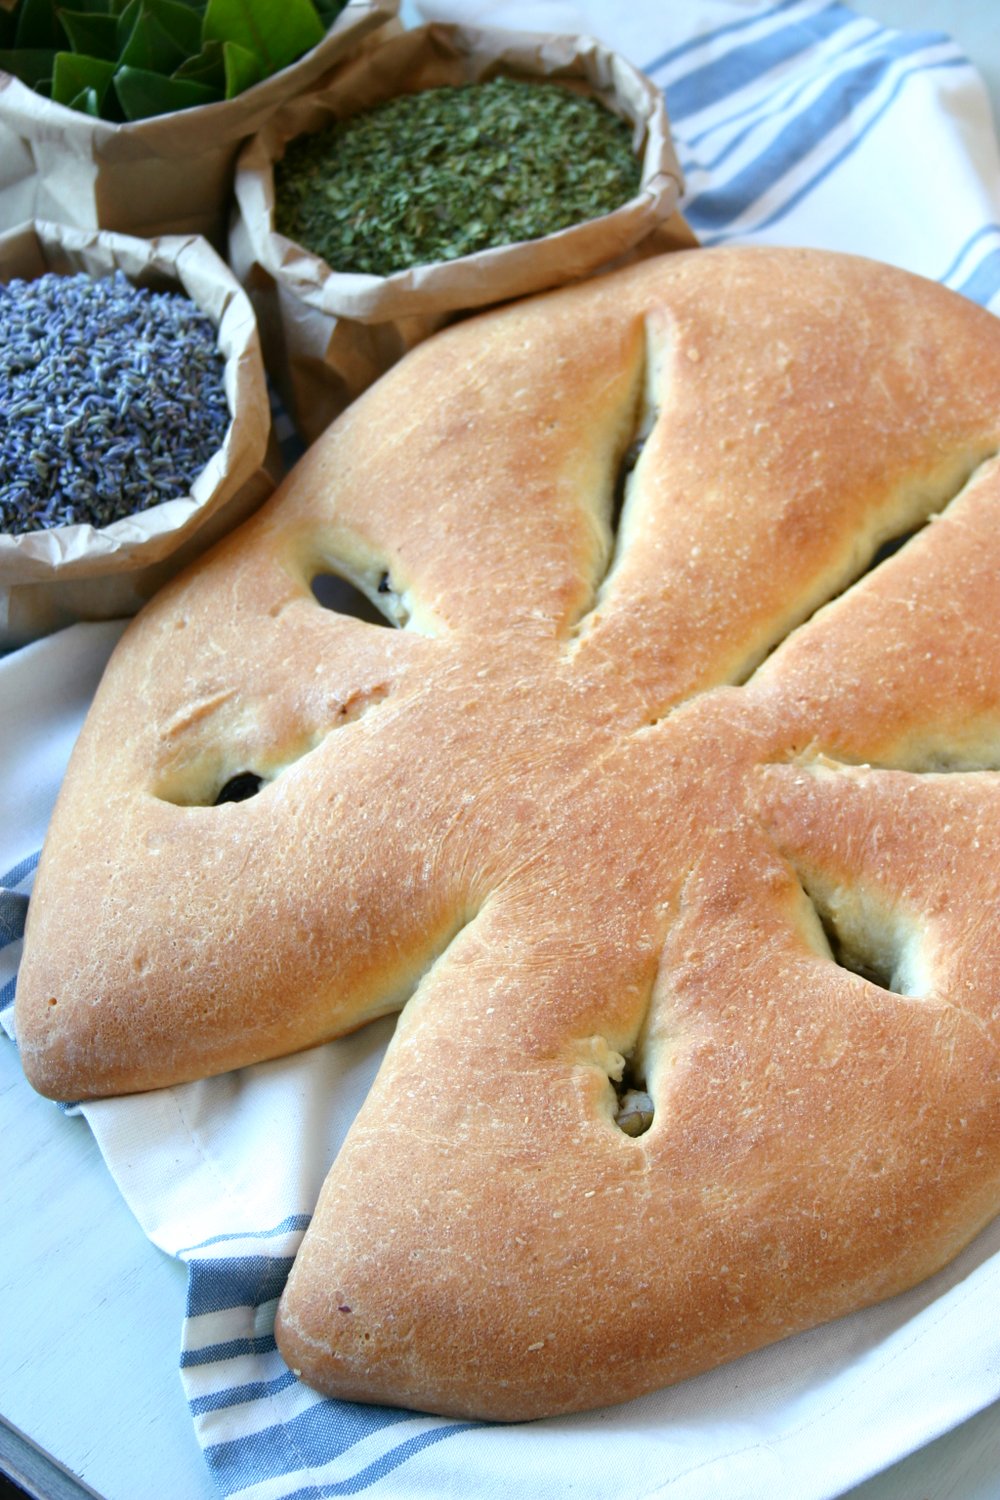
[675, 779]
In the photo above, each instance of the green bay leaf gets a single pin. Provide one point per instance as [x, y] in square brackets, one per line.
[143, 94]
[206, 66]
[274, 31]
[73, 74]
[242, 69]
[181, 22]
[152, 43]
[30, 64]
[86, 103]
[38, 26]
[91, 35]
[127, 15]
[329, 10]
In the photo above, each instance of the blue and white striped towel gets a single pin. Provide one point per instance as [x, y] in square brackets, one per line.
[796, 123]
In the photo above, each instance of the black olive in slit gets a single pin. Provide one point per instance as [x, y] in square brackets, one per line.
[893, 545]
[625, 469]
[336, 594]
[240, 788]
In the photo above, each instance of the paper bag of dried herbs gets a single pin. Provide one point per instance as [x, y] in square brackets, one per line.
[134, 419]
[129, 114]
[441, 170]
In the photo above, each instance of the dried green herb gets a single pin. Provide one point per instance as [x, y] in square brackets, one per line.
[435, 175]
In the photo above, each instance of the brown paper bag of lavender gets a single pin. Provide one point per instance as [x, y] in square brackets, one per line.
[170, 173]
[131, 376]
[329, 332]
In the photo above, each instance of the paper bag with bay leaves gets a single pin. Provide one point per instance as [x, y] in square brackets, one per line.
[51, 578]
[165, 174]
[328, 335]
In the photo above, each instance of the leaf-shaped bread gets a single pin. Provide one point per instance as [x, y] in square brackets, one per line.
[670, 817]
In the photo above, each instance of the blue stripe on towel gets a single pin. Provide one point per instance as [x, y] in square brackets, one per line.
[218, 1285]
[21, 870]
[313, 1437]
[301, 1432]
[984, 282]
[696, 44]
[238, 1395]
[13, 910]
[213, 1354]
[287, 1226]
[796, 198]
[717, 208]
[985, 231]
[381, 1466]
[736, 70]
[780, 101]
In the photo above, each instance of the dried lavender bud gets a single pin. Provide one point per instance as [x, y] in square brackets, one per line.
[451, 171]
[111, 399]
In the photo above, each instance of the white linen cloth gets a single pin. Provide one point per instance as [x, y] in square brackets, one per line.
[796, 123]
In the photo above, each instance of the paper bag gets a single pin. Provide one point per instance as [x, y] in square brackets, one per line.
[328, 335]
[171, 174]
[51, 578]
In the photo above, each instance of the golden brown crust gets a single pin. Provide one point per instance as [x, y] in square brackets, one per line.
[653, 796]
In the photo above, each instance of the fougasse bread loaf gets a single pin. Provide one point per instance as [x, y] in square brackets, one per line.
[675, 781]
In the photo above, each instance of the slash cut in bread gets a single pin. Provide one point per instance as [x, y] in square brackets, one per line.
[675, 780]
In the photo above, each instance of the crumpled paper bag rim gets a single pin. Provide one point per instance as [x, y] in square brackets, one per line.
[186, 131]
[486, 276]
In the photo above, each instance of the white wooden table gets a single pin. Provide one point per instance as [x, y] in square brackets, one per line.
[90, 1320]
